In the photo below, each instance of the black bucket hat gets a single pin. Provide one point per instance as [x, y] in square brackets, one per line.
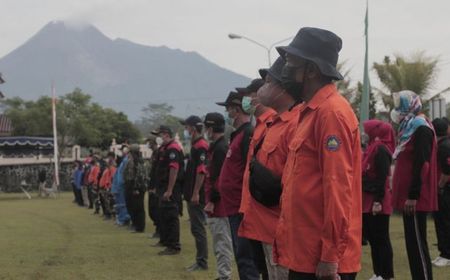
[275, 70]
[233, 98]
[252, 87]
[319, 46]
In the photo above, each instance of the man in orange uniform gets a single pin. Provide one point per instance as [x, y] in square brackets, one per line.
[93, 179]
[270, 150]
[319, 230]
[105, 186]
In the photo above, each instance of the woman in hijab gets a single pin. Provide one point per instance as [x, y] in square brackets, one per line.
[415, 178]
[377, 204]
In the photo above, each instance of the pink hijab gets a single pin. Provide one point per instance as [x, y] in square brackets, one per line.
[380, 133]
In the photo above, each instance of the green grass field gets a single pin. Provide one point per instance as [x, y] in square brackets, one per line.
[54, 239]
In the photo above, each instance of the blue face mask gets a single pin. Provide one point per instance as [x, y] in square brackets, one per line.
[247, 105]
[187, 135]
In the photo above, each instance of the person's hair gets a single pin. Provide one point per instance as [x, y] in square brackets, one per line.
[198, 128]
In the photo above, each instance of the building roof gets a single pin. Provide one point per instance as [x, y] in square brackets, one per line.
[26, 140]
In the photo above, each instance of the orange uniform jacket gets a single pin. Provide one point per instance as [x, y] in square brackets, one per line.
[106, 180]
[321, 202]
[260, 222]
[93, 175]
[258, 132]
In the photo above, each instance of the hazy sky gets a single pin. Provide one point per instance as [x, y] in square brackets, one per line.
[396, 26]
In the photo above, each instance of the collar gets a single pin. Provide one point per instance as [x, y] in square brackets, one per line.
[265, 116]
[196, 140]
[321, 95]
[240, 129]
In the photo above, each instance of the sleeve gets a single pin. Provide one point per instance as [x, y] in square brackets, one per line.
[337, 162]
[423, 143]
[245, 144]
[217, 162]
[174, 158]
[201, 167]
[444, 159]
[383, 161]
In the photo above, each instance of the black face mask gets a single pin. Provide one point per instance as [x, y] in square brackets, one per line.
[288, 82]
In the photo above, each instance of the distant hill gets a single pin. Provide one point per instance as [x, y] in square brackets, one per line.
[118, 73]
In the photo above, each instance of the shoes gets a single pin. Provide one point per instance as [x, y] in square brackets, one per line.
[169, 252]
[374, 277]
[197, 267]
[441, 262]
[159, 244]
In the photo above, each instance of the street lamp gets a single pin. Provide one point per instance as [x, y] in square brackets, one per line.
[267, 48]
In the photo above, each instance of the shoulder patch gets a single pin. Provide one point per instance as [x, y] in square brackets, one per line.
[172, 155]
[333, 143]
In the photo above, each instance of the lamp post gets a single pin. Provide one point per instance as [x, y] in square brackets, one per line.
[267, 48]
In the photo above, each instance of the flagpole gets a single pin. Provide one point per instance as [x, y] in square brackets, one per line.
[55, 138]
[365, 98]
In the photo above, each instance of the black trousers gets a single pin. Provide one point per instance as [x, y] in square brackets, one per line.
[259, 258]
[135, 208]
[78, 197]
[442, 223]
[91, 196]
[104, 201]
[153, 210]
[293, 275]
[198, 219]
[170, 224]
[415, 227]
[376, 229]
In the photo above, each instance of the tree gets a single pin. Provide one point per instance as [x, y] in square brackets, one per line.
[79, 121]
[156, 114]
[416, 73]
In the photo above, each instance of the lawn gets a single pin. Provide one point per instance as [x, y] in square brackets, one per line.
[54, 239]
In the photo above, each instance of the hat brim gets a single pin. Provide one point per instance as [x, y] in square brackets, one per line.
[324, 67]
[222, 103]
[242, 90]
[263, 73]
[155, 132]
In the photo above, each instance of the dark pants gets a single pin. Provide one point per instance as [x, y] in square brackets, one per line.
[376, 229]
[104, 201]
[259, 258]
[243, 251]
[78, 197]
[91, 196]
[135, 208]
[293, 275]
[198, 220]
[74, 189]
[442, 223]
[153, 210]
[97, 202]
[415, 227]
[170, 224]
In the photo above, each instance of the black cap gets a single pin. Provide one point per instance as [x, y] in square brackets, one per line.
[192, 121]
[161, 129]
[275, 70]
[214, 120]
[233, 98]
[319, 46]
[440, 127]
[252, 87]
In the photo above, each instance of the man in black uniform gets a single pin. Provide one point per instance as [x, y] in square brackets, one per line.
[193, 189]
[442, 217]
[153, 202]
[169, 174]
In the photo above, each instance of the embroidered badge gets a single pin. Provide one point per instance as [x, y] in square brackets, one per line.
[202, 157]
[333, 143]
[172, 156]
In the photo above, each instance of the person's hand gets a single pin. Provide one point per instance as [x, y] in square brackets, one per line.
[167, 195]
[410, 206]
[327, 271]
[195, 199]
[152, 190]
[209, 208]
[136, 192]
[376, 208]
